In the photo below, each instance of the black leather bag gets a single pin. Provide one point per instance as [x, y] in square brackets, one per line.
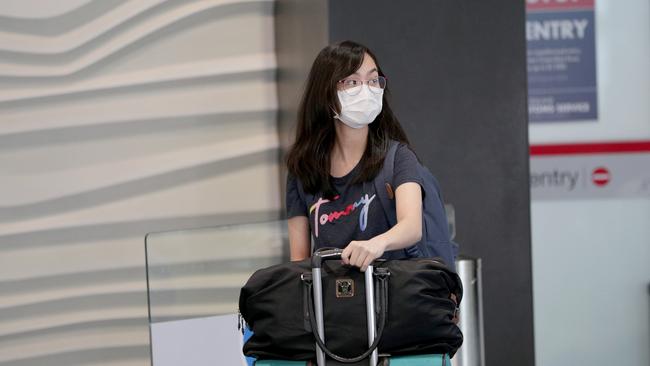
[419, 316]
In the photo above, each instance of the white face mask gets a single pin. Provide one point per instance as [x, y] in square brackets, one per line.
[361, 109]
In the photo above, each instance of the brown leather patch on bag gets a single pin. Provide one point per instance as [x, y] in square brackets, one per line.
[390, 192]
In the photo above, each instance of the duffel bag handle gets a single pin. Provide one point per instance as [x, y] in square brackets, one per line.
[382, 275]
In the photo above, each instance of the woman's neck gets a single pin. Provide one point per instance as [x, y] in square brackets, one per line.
[350, 143]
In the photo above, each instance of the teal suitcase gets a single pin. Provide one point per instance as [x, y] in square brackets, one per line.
[417, 360]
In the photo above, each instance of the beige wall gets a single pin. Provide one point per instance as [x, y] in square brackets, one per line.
[119, 118]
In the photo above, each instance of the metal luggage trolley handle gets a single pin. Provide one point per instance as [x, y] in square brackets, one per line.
[315, 294]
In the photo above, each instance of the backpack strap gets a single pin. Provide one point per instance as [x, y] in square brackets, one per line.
[386, 193]
[384, 184]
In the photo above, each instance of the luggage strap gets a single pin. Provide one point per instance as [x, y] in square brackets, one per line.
[382, 275]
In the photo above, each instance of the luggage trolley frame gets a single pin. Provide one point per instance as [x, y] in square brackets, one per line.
[317, 260]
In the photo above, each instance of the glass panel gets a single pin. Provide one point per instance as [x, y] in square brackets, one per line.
[199, 272]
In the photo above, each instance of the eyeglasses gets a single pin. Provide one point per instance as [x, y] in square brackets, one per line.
[353, 86]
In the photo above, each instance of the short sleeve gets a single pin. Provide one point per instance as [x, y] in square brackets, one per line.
[296, 206]
[406, 167]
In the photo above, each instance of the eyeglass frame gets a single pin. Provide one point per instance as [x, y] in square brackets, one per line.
[367, 82]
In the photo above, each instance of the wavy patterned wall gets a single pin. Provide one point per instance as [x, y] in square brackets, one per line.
[119, 118]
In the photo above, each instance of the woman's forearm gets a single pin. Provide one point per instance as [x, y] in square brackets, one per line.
[404, 234]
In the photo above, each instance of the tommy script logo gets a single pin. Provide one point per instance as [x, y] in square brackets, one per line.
[323, 219]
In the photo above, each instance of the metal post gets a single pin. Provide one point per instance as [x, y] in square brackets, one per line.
[370, 313]
[472, 352]
[318, 305]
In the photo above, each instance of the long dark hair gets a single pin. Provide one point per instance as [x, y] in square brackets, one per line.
[309, 157]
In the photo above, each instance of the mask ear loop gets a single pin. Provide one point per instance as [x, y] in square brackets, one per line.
[336, 115]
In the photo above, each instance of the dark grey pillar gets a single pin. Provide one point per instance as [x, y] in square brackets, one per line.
[457, 72]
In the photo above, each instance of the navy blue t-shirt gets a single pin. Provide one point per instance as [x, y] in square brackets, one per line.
[356, 213]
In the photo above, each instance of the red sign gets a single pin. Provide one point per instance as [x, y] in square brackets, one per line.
[600, 176]
[622, 147]
[587, 170]
[559, 4]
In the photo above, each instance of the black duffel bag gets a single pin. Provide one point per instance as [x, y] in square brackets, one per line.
[419, 317]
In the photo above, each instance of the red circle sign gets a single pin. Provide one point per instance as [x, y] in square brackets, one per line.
[600, 176]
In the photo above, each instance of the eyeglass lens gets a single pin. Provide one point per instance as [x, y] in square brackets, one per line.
[353, 86]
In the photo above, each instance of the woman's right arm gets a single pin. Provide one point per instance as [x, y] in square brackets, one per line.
[299, 240]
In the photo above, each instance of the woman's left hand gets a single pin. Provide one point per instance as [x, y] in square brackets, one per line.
[361, 253]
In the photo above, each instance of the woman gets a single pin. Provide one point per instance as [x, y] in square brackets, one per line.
[343, 132]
